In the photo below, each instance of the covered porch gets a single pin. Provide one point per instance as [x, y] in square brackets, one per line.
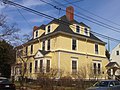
[113, 70]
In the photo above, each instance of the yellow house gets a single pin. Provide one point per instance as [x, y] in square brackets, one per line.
[66, 45]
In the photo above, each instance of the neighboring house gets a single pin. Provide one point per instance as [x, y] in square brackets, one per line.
[66, 45]
[115, 54]
[114, 65]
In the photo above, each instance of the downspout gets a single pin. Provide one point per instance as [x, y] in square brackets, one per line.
[86, 48]
[59, 65]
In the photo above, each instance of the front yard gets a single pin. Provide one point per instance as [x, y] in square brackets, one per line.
[63, 84]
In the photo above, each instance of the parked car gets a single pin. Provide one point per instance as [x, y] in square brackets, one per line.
[106, 85]
[5, 84]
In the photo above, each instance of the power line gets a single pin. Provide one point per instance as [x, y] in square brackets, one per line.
[27, 9]
[24, 17]
[73, 2]
[93, 13]
[50, 17]
[92, 19]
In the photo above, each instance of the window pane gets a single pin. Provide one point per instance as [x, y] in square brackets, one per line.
[48, 66]
[41, 65]
[77, 29]
[73, 44]
[31, 49]
[117, 52]
[43, 45]
[36, 33]
[48, 47]
[94, 68]
[86, 31]
[48, 29]
[96, 48]
[30, 67]
[36, 66]
[74, 66]
[99, 68]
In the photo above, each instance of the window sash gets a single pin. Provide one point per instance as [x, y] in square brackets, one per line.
[43, 45]
[30, 67]
[48, 46]
[48, 66]
[99, 68]
[41, 65]
[77, 29]
[96, 68]
[74, 66]
[74, 46]
[96, 48]
[86, 31]
[117, 52]
[31, 51]
[36, 66]
[48, 29]
[36, 33]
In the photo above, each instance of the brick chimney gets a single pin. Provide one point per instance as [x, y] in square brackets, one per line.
[70, 13]
[35, 28]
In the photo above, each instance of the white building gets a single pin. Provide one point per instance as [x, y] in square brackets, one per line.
[114, 65]
[115, 54]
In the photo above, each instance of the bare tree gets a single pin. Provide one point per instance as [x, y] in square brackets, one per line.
[7, 32]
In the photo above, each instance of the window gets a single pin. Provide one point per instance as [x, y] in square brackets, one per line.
[74, 46]
[41, 65]
[31, 51]
[49, 29]
[36, 33]
[30, 67]
[48, 45]
[43, 45]
[74, 66]
[95, 68]
[117, 52]
[77, 29]
[36, 66]
[85, 31]
[20, 53]
[26, 51]
[96, 48]
[99, 68]
[48, 66]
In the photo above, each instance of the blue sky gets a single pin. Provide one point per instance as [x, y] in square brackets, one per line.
[108, 9]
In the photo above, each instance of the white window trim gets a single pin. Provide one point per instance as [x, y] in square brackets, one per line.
[37, 66]
[87, 31]
[46, 63]
[98, 48]
[97, 62]
[79, 29]
[118, 52]
[76, 44]
[74, 59]
[50, 28]
[42, 45]
[35, 33]
[47, 44]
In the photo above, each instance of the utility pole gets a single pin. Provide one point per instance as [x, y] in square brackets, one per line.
[108, 44]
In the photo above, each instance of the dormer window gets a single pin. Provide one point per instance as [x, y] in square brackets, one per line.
[36, 34]
[86, 31]
[48, 29]
[77, 29]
